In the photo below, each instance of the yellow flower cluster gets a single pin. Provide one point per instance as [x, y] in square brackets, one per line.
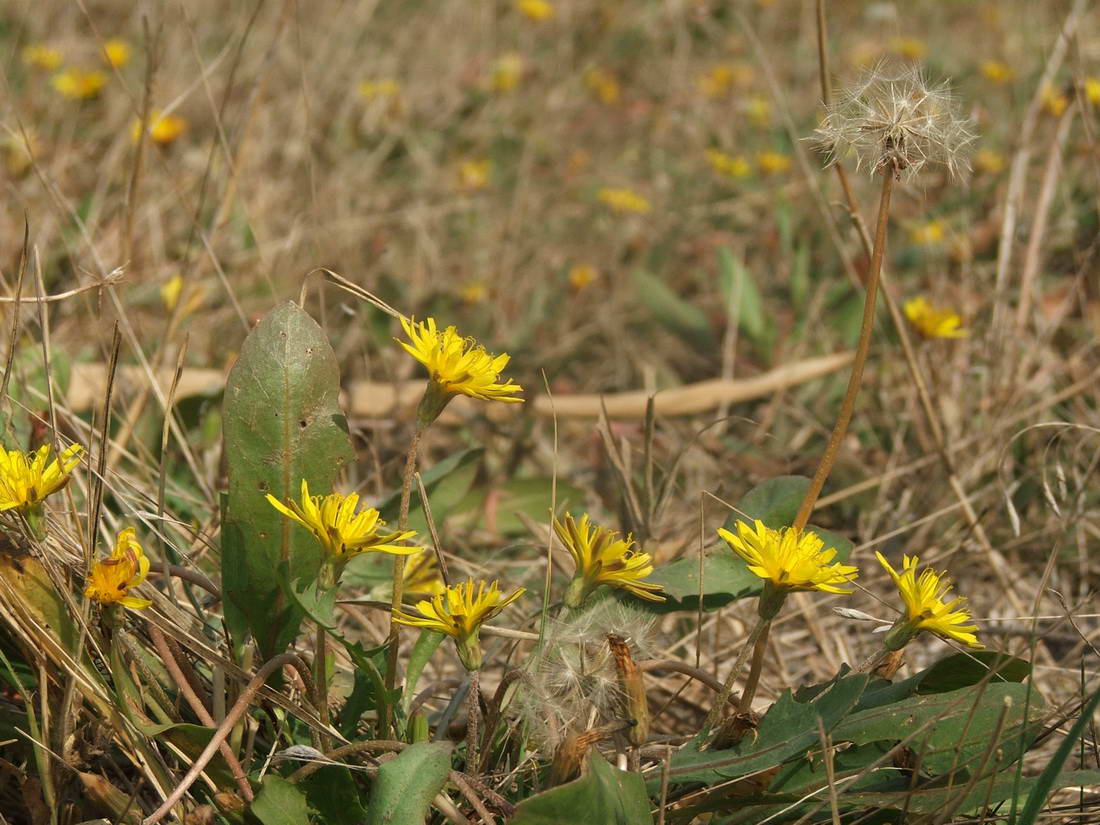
[623, 201]
[79, 84]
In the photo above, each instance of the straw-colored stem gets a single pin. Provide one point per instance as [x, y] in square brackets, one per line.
[758, 651]
[727, 687]
[828, 459]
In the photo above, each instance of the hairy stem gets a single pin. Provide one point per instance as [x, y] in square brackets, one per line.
[473, 726]
[758, 651]
[840, 429]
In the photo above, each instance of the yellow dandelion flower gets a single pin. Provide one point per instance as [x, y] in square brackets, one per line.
[111, 580]
[789, 559]
[474, 293]
[1054, 102]
[170, 292]
[933, 322]
[604, 558]
[1092, 90]
[988, 162]
[758, 110]
[384, 88]
[773, 163]
[473, 174]
[996, 71]
[422, 575]
[581, 275]
[41, 56]
[26, 479]
[79, 84]
[928, 234]
[116, 52]
[603, 85]
[507, 72]
[910, 48]
[460, 611]
[163, 129]
[340, 529]
[925, 608]
[730, 166]
[456, 366]
[537, 10]
[623, 201]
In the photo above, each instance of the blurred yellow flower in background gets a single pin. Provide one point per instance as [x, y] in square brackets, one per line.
[79, 84]
[537, 10]
[383, 88]
[41, 56]
[758, 110]
[474, 174]
[1054, 102]
[996, 72]
[422, 575]
[603, 85]
[116, 52]
[20, 148]
[507, 72]
[929, 233]
[773, 163]
[730, 166]
[1092, 90]
[581, 275]
[911, 48]
[474, 293]
[111, 580]
[623, 201]
[163, 129]
[989, 162]
[933, 322]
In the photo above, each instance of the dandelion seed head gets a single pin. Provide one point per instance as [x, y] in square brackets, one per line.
[897, 122]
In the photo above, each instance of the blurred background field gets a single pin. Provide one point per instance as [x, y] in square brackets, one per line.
[622, 196]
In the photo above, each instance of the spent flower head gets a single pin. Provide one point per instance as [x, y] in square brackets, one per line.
[896, 123]
[604, 557]
[27, 478]
[341, 528]
[460, 611]
[925, 608]
[933, 322]
[111, 580]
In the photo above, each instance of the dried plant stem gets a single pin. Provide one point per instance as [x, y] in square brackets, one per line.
[727, 687]
[399, 566]
[840, 429]
[758, 651]
[473, 724]
[872, 661]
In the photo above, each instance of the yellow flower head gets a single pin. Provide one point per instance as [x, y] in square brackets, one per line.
[790, 559]
[603, 85]
[928, 234]
[381, 89]
[925, 607]
[507, 72]
[342, 531]
[79, 84]
[773, 163]
[459, 611]
[116, 52]
[581, 275]
[474, 293]
[41, 56]
[537, 10]
[996, 71]
[989, 162]
[730, 166]
[1092, 90]
[170, 292]
[457, 365]
[27, 478]
[911, 48]
[603, 557]
[933, 322]
[623, 201]
[111, 580]
[163, 129]
[758, 110]
[474, 174]
[422, 575]
[1054, 102]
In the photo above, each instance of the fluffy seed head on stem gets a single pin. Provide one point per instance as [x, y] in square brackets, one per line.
[897, 122]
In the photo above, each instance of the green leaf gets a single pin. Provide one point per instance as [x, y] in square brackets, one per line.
[774, 502]
[680, 316]
[446, 483]
[527, 496]
[282, 424]
[1049, 779]
[738, 286]
[427, 643]
[332, 793]
[280, 803]
[603, 794]
[369, 690]
[964, 669]
[408, 783]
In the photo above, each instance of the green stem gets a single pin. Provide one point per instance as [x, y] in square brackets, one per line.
[758, 651]
[320, 679]
[727, 687]
[840, 429]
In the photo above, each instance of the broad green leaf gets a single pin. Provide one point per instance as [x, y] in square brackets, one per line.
[332, 793]
[774, 502]
[964, 669]
[369, 690]
[446, 483]
[530, 497]
[427, 643]
[407, 784]
[603, 795]
[669, 309]
[738, 286]
[280, 803]
[788, 729]
[282, 424]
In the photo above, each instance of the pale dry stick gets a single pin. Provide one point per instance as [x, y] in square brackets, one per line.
[184, 685]
[236, 712]
[1034, 252]
[113, 277]
[470, 796]
[1021, 160]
